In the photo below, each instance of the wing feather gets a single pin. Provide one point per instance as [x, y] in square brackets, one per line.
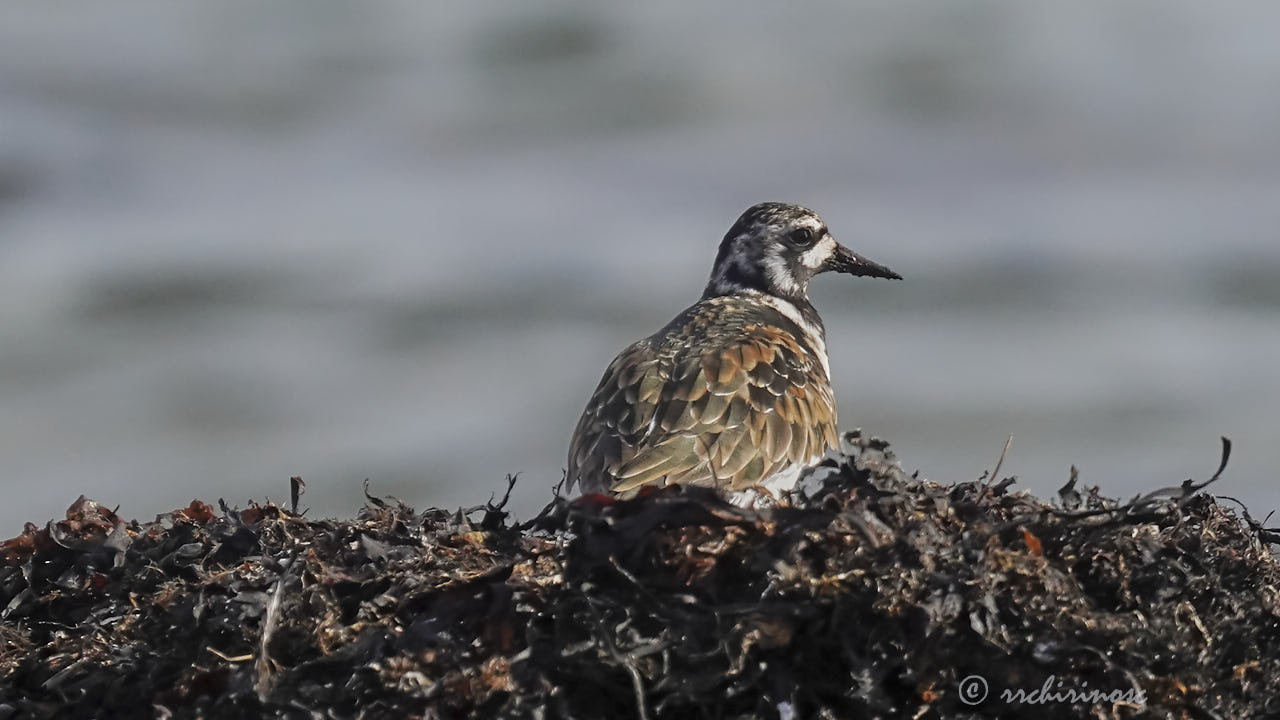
[731, 417]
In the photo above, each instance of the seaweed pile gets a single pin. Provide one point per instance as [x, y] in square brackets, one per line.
[874, 594]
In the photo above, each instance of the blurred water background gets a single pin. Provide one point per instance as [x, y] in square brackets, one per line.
[240, 242]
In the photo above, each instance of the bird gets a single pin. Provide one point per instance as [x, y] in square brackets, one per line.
[735, 392]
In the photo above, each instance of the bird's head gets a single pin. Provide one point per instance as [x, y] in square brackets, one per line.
[777, 248]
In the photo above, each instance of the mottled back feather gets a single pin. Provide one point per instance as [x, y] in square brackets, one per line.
[728, 394]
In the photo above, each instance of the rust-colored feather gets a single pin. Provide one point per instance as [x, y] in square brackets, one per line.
[730, 366]
[728, 398]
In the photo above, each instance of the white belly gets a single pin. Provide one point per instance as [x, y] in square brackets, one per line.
[782, 481]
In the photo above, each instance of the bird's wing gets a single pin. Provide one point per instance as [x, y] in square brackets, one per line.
[605, 430]
[730, 417]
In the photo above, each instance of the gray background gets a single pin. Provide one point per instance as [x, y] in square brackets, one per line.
[401, 241]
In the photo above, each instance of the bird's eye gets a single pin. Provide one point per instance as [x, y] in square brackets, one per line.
[802, 236]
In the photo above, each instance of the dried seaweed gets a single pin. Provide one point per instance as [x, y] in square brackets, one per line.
[874, 594]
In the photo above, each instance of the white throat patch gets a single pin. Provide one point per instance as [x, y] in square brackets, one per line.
[780, 275]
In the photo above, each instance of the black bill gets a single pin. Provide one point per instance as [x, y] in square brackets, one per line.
[848, 261]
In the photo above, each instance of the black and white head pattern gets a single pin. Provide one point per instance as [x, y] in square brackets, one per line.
[774, 248]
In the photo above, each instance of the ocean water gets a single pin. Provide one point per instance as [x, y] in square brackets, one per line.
[401, 241]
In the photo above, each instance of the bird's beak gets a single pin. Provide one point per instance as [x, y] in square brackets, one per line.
[845, 260]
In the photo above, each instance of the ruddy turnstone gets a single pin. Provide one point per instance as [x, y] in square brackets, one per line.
[735, 392]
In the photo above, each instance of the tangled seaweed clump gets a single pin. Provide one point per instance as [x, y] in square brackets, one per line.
[875, 595]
